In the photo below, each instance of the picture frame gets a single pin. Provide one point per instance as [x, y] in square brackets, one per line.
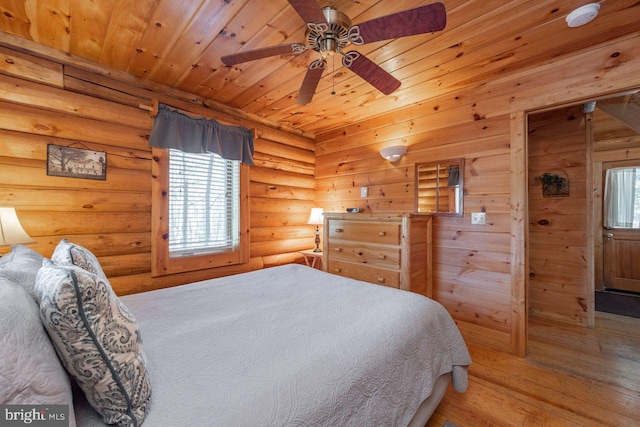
[73, 162]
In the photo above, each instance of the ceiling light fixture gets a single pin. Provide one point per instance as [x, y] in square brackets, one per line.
[394, 153]
[583, 15]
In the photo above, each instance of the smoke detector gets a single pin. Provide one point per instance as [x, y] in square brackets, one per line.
[583, 15]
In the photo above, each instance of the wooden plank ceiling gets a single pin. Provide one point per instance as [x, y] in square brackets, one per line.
[179, 43]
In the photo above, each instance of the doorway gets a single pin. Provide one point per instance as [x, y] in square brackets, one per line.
[616, 228]
[576, 248]
[559, 204]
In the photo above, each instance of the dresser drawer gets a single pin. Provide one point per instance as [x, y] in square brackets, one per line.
[386, 233]
[373, 255]
[366, 273]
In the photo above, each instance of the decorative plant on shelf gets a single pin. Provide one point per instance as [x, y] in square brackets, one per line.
[553, 185]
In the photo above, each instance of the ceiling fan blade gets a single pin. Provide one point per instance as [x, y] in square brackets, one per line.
[371, 72]
[309, 11]
[265, 52]
[310, 82]
[421, 20]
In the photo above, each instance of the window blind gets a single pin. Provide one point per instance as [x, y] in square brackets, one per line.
[204, 203]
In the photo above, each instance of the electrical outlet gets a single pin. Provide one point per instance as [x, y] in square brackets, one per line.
[364, 191]
[478, 218]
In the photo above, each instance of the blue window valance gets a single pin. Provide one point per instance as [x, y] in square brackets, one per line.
[173, 129]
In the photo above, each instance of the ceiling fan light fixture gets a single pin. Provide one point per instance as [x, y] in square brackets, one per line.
[328, 37]
[328, 47]
[583, 15]
[329, 31]
[393, 153]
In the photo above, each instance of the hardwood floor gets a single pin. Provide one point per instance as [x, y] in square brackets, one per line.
[572, 376]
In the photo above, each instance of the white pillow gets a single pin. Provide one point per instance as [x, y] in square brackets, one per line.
[97, 339]
[21, 266]
[30, 371]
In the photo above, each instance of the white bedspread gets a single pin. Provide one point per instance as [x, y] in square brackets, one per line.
[293, 346]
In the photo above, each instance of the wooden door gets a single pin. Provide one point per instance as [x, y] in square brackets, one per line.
[622, 259]
[621, 249]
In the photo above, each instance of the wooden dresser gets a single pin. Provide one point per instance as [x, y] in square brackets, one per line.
[387, 250]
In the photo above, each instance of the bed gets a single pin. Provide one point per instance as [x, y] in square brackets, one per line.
[291, 345]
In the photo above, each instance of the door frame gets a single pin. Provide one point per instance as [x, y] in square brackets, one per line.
[520, 110]
[589, 210]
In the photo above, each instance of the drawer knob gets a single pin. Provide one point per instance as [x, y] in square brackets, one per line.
[381, 256]
[339, 230]
[381, 279]
[381, 233]
[337, 270]
[338, 249]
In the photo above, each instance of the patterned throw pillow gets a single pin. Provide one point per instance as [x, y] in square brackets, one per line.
[97, 339]
[70, 253]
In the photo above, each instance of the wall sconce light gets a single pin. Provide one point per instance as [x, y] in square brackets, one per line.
[316, 219]
[394, 153]
[11, 231]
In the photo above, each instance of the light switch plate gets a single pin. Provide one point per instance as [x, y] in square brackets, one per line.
[364, 191]
[478, 218]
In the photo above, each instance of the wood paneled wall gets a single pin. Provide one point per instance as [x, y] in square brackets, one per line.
[558, 226]
[479, 270]
[43, 101]
[471, 263]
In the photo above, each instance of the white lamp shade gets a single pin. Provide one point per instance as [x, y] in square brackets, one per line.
[394, 153]
[11, 231]
[316, 216]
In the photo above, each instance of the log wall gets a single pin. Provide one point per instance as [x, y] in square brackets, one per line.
[479, 270]
[43, 102]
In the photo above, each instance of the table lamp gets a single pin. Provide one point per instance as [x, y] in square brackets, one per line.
[316, 219]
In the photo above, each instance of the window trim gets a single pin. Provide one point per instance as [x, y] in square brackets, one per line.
[161, 263]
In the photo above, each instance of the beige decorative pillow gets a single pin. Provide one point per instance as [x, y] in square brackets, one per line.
[70, 253]
[97, 339]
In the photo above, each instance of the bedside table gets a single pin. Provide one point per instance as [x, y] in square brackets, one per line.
[312, 259]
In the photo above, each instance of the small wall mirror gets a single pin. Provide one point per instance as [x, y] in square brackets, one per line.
[439, 187]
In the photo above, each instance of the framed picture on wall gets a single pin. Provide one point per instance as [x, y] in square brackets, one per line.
[76, 162]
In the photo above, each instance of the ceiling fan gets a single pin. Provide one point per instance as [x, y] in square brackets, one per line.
[329, 31]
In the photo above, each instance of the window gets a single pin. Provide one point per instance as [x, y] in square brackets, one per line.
[200, 212]
[622, 198]
[439, 187]
[204, 203]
